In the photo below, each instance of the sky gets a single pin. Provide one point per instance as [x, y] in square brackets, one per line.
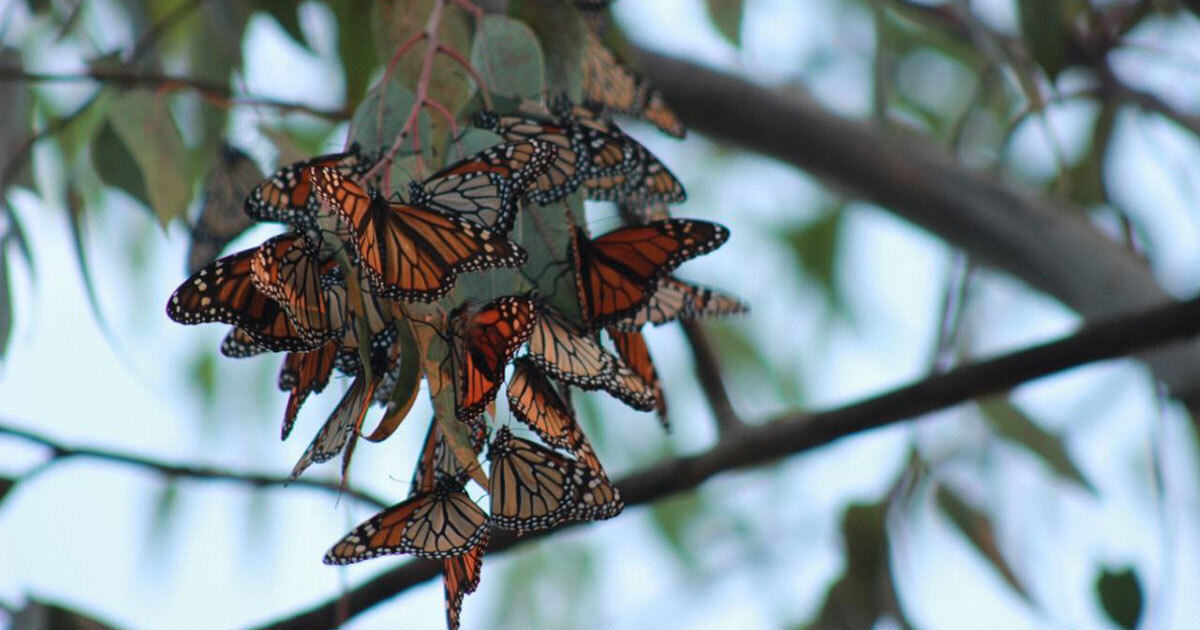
[124, 545]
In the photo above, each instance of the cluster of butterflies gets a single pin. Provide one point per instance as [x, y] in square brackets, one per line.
[333, 291]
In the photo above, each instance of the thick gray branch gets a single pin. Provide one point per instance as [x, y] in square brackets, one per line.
[1044, 242]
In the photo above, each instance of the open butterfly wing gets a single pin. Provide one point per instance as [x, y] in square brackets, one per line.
[533, 399]
[529, 485]
[287, 269]
[286, 197]
[409, 253]
[486, 340]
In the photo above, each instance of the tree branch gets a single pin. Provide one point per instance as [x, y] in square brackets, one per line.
[708, 372]
[126, 77]
[59, 451]
[797, 432]
[1045, 242]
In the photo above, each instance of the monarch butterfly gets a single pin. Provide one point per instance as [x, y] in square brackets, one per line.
[409, 253]
[647, 181]
[616, 88]
[224, 291]
[460, 576]
[287, 269]
[587, 148]
[632, 348]
[439, 523]
[529, 484]
[675, 299]
[342, 424]
[567, 354]
[618, 271]
[486, 187]
[640, 211]
[286, 197]
[534, 400]
[221, 220]
[302, 374]
[532, 487]
[485, 340]
[238, 344]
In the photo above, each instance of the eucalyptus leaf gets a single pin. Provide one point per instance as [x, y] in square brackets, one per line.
[507, 55]
[6, 311]
[1120, 593]
[145, 124]
[561, 32]
[1014, 425]
[6, 486]
[815, 247]
[17, 104]
[116, 166]
[356, 51]
[727, 17]
[978, 530]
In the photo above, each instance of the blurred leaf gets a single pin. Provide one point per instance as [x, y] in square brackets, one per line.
[408, 385]
[746, 360]
[815, 246]
[6, 308]
[75, 212]
[1120, 594]
[672, 517]
[84, 125]
[144, 123]
[1010, 423]
[865, 591]
[222, 218]
[116, 166]
[41, 615]
[377, 122]
[977, 527]
[6, 485]
[1042, 25]
[166, 506]
[507, 54]
[727, 17]
[202, 372]
[287, 14]
[561, 32]
[16, 104]
[1086, 177]
[356, 51]
[290, 150]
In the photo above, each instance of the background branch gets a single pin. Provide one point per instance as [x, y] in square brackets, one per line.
[797, 432]
[59, 451]
[1043, 241]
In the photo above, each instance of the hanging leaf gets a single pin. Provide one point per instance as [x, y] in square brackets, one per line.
[286, 13]
[1014, 425]
[16, 104]
[144, 123]
[672, 518]
[727, 17]
[977, 528]
[865, 591]
[355, 48]
[6, 307]
[116, 166]
[75, 215]
[6, 485]
[815, 246]
[1042, 25]
[1120, 594]
[408, 384]
[507, 55]
[562, 33]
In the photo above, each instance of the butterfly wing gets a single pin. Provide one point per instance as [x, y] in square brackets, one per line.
[533, 399]
[618, 271]
[339, 428]
[238, 344]
[461, 576]
[410, 253]
[617, 88]
[486, 340]
[229, 181]
[287, 269]
[529, 485]
[224, 291]
[632, 348]
[304, 373]
[286, 197]
[566, 354]
[675, 299]
[487, 186]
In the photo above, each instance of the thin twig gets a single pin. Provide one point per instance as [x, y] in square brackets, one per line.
[708, 372]
[60, 451]
[797, 432]
[130, 77]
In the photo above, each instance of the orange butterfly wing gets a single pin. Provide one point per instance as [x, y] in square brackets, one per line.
[487, 340]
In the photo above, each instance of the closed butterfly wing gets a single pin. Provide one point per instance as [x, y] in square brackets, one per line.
[224, 291]
[486, 340]
[460, 576]
[567, 354]
[221, 219]
[533, 399]
[486, 187]
[302, 374]
[647, 181]
[410, 253]
[618, 271]
[436, 460]
[617, 88]
[632, 348]
[675, 299]
[594, 498]
[287, 269]
[238, 344]
[437, 524]
[341, 426]
[286, 197]
[529, 484]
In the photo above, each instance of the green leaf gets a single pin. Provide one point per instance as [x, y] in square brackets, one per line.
[561, 31]
[202, 372]
[75, 215]
[1012, 424]
[727, 17]
[287, 14]
[815, 246]
[356, 51]
[116, 166]
[17, 106]
[378, 121]
[977, 528]
[144, 123]
[1120, 594]
[1042, 25]
[6, 308]
[6, 485]
[507, 55]
[673, 517]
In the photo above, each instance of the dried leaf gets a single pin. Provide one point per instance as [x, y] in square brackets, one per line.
[977, 528]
